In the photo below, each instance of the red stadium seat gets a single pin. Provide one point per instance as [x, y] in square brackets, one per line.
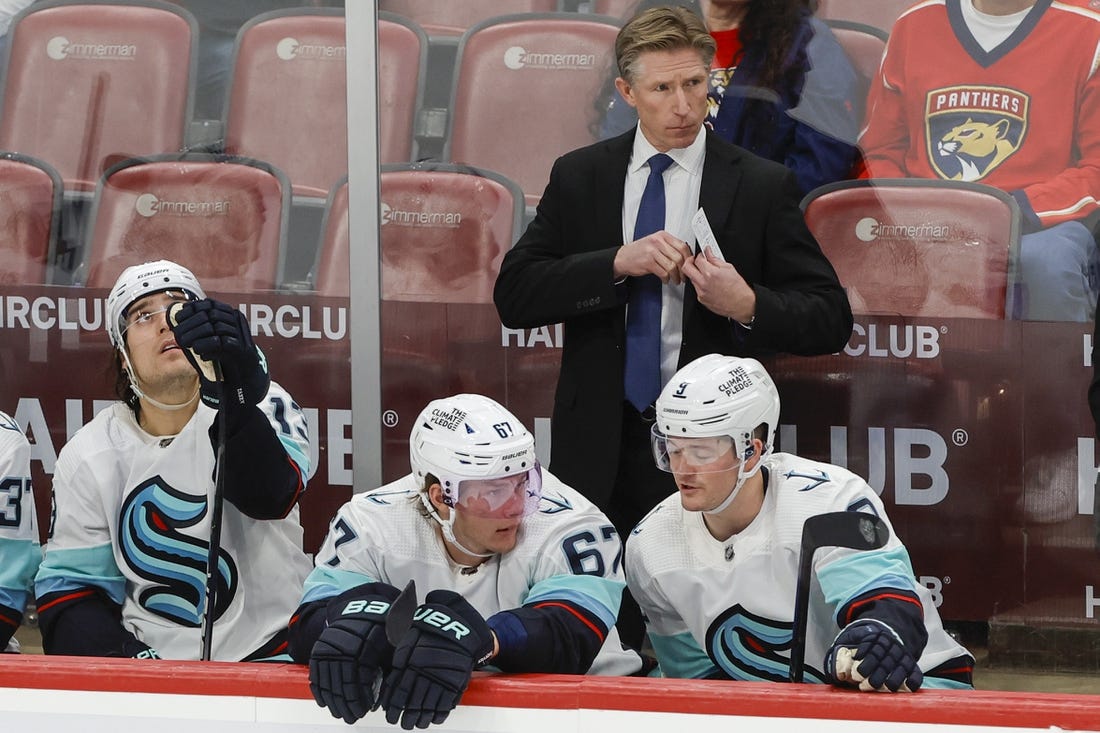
[919, 248]
[223, 217]
[287, 101]
[864, 46]
[523, 93]
[878, 13]
[616, 8]
[402, 65]
[444, 228]
[453, 17]
[444, 231]
[30, 205]
[90, 83]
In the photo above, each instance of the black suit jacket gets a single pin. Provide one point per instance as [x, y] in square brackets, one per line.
[561, 270]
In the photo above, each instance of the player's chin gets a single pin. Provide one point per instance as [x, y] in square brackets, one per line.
[504, 539]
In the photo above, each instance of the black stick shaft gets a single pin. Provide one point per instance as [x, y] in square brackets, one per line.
[214, 551]
[801, 607]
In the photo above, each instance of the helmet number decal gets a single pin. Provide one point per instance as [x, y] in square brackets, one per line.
[504, 429]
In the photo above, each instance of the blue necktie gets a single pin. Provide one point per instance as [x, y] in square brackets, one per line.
[642, 373]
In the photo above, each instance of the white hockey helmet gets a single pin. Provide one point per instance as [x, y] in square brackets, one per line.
[137, 281]
[718, 396]
[482, 455]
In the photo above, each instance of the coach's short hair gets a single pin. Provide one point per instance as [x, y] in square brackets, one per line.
[661, 29]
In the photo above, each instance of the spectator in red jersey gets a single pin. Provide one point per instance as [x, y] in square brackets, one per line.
[1012, 100]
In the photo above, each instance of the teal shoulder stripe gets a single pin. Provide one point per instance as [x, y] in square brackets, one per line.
[862, 571]
[296, 453]
[325, 582]
[82, 567]
[679, 656]
[600, 596]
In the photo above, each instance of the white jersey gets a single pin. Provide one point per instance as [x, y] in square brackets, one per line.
[567, 549]
[131, 518]
[19, 549]
[729, 606]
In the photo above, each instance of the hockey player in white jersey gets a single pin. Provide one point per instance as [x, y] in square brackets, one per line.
[19, 550]
[714, 566]
[124, 569]
[523, 574]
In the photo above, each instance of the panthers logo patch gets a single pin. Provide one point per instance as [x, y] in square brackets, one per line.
[973, 130]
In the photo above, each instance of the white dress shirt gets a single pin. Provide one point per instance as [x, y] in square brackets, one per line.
[683, 181]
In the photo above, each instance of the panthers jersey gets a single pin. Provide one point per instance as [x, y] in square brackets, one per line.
[1023, 116]
[131, 518]
[567, 549]
[727, 608]
[19, 550]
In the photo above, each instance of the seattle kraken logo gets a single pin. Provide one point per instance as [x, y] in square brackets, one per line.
[746, 647]
[155, 549]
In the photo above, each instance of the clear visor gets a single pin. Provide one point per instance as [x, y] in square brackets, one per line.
[693, 455]
[147, 312]
[505, 497]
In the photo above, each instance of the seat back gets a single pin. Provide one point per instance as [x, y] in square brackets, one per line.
[445, 230]
[30, 206]
[287, 100]
[864, 46]
[917, 247]
[878, 13]
[617, 8]
[90, 83]
[452, 18]
[222, 217]
[523, 93]
[402, 65]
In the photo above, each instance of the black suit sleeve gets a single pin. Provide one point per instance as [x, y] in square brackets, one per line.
[801, 307]
[544, 278]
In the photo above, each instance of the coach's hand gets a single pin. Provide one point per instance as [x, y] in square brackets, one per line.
[352, 653]
[433, 663]
[870, 654]
[659, 254]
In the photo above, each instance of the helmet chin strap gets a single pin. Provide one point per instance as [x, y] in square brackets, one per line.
[742, 476]
[447, 526]
[130, 375]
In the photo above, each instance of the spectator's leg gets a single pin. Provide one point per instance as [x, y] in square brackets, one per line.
[1058, 273]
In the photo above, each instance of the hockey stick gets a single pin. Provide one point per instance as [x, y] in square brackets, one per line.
[855, 530]
[206, 621]
[400, 617]
[213, 373]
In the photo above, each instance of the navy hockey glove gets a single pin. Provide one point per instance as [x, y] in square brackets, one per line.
[214, 331]
[352, 652]
[135, 649]
[870, 654]
[434, 661]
